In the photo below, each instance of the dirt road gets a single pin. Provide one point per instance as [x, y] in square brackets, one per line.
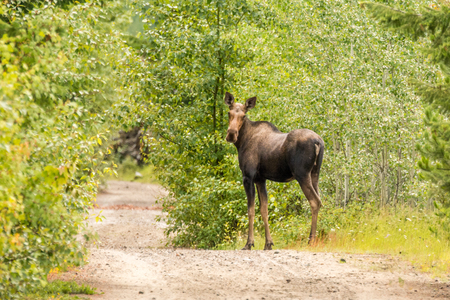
[132, 262]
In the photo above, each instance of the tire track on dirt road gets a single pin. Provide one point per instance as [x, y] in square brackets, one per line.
[131, 262]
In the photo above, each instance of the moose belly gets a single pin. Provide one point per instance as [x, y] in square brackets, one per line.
[275, 172]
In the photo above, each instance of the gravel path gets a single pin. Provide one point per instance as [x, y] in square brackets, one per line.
[132, 262]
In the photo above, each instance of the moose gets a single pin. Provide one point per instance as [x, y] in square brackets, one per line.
[265, 153]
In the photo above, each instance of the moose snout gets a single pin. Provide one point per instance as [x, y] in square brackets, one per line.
[231, 136]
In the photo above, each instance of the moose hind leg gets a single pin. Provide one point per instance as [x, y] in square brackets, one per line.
[314, 202]
[250, 191]
[315, 181]
[262, 194]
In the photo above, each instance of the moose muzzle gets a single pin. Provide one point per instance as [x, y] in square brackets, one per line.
[232, 136]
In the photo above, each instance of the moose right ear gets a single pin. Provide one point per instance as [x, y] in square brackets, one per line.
[229, 99]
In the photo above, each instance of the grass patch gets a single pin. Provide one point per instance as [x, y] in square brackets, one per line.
[62, 290]
[413, 235]
[126, 171]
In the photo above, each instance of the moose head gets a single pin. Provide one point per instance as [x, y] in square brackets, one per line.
[236, 115]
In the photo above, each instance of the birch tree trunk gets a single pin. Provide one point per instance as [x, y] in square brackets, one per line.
[399, 178]
[347, 176]
[384, 155]
[337, 175]
[347, 143]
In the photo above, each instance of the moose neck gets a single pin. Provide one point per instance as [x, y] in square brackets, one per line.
[244, 131]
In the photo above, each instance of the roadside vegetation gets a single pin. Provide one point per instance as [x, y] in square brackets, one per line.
[313, 64]
[126, 171]
[61, 290]
[76, 72]
[65, 70]
[414, 235]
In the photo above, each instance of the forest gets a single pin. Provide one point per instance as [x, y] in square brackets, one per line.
[370, 78]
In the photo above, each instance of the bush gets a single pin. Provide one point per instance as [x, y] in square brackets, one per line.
[336, 74]
[64, 84]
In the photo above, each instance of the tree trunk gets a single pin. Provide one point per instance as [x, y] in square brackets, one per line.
[347, 176]
[337, 175]
[399, 178]
[384, 175]
[216, 88]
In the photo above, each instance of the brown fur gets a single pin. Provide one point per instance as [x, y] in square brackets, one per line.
[265, 153]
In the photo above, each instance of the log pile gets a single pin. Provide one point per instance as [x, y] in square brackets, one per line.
[129, 144]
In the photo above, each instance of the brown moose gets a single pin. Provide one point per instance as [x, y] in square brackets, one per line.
[264, 153]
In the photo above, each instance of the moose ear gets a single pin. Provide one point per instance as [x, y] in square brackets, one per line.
[229, 99]
[250, 103]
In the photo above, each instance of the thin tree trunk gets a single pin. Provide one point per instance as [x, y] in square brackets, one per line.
[411, 169]
[347, 176]
[214, 114]
[384, 179]
[399, 178]
[337, 177]
[351, 73]
[216, 88]
[222, 87]
[384, 188]
[374, 178]
[347, 143]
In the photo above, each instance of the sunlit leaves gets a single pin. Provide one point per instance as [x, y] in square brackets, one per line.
[65, 80]
[192, 48]
[316, 64]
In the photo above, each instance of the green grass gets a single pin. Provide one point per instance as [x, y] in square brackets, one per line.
[405, 234]
[62, 290]
[413, 235]
[127, 169]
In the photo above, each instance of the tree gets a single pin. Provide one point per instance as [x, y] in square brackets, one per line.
[336, 74]
[192, 55]
[66, 79]
[431, 28]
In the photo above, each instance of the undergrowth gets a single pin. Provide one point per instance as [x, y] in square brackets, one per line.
[61, 290]
[126, 171]
[414, 235]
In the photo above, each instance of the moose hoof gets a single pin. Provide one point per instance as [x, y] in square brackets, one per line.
[268, 246]
[248, 247]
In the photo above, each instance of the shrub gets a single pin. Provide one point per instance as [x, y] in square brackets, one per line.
[64, 83]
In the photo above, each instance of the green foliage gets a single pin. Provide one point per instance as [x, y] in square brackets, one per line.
[69, 78]
[17, 8]
[410, 234]
[336, 74]
[62, 290]
[127, 169]
[414, 235]
[431, 25]
[64, 83]
[193, 51]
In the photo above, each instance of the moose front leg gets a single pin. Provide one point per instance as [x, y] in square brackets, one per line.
[250, 191]
[262, 194]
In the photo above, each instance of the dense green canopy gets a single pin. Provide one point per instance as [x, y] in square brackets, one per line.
[73, 72]
[429, 26]
[64, 77]
[322, 65]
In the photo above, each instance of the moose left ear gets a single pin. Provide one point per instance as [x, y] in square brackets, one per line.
[229, 99]
[250, 103]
